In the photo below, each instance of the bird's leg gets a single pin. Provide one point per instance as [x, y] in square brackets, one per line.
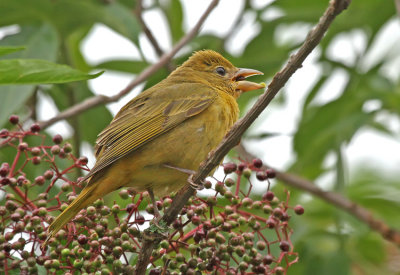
[153, 200]
[157, 214]
[190, 178]
[183, 170]
[194, 185]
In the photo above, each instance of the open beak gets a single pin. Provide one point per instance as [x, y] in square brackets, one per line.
[245, 85]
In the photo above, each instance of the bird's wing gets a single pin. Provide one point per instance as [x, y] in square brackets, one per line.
[147, 117]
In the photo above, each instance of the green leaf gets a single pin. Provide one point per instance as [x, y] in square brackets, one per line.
[34, 71]
[67, 16]
[174, 12]
[122, 20]
[10, 49]
[371, 248]
[41, 42]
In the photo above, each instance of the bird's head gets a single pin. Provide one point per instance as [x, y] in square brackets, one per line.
[212, 68]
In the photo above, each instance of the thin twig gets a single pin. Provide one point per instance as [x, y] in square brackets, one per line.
[101, 99]
[153, 41]
[233, 136]
[147, 31]
[333, 198]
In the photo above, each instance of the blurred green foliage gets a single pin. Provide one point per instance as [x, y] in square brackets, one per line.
[328, 241]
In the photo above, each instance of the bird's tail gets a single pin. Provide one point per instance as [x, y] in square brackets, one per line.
[85, 198]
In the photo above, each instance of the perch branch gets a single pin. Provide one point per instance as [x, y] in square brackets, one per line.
[233, 136]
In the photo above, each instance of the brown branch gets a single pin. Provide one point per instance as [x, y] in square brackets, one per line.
[333, 198]
[147, 31]
[233, 136]
[101, 99]
[397, 4]
[153, 41]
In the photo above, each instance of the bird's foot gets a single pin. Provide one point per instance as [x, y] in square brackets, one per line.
[195, 186]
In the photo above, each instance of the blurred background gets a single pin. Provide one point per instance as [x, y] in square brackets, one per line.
[335, 123]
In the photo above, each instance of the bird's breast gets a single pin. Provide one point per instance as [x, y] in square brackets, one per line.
[184, 146]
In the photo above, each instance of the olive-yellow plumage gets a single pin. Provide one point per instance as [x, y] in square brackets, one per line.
[175, 123]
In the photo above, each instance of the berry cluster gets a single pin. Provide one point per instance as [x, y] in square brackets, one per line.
[230, 232]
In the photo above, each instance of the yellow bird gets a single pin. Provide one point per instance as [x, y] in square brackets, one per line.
[165, 131]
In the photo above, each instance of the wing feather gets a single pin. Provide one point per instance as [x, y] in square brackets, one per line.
[148, 116]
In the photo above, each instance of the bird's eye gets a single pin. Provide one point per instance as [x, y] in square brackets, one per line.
[220, 71]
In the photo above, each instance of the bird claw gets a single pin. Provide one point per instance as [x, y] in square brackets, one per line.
[195, 186]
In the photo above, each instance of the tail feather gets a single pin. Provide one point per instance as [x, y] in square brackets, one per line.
[85, 198]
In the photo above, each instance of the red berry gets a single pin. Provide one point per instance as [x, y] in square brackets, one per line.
[284, 246]
[39, 180]
[23, 146]
[55, 149]
[139, 219]
[48, 174]
[198, 235]
[261, 175]
[36, 160]
[4, 169]
[229, 167]
[299, 210]
[285, 217]
[207, 184]
[21, 180]
[271, 173]
[15, 216]
[241, 166]
[57, 139]
[271, 223]
[277, 212]
[35, 151]
[267, 260]
[14, 119]
[4, 133]
[269, 196]
[257, 163]
[83, 160]
[82, 239]
[196, 220]
[131, 207]
[5, 181]
[62, 154]
[35, 128]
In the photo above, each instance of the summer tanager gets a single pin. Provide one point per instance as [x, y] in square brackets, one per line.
[166, 130]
